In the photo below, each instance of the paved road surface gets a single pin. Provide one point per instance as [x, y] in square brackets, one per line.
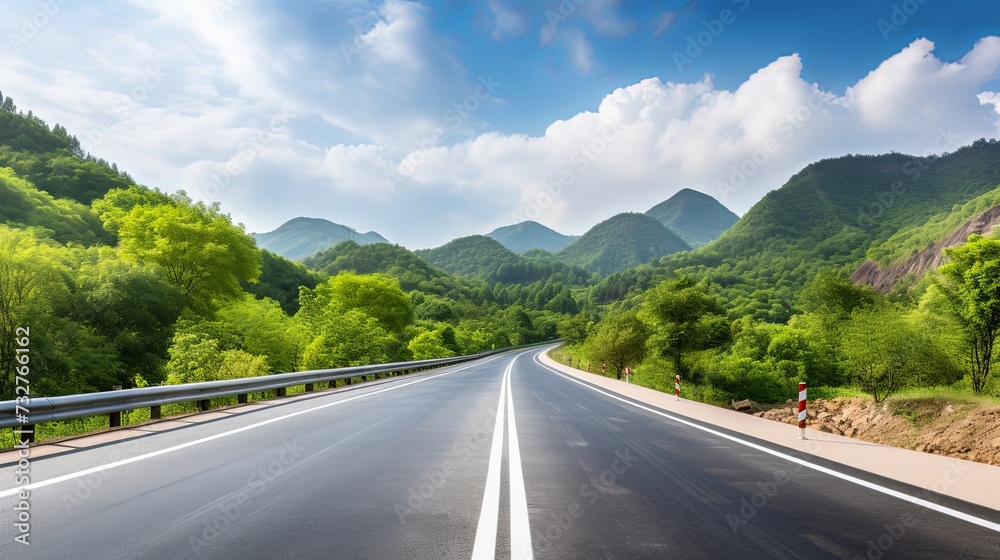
[503, 458]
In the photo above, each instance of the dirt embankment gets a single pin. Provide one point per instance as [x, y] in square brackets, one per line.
[963, 430]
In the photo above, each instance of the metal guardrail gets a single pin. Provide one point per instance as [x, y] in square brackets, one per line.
[113, 403]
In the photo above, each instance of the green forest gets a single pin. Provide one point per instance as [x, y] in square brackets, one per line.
[125, 286]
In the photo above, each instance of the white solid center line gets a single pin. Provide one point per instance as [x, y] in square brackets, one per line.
[486, 532]
[520, 531]
[489, 516]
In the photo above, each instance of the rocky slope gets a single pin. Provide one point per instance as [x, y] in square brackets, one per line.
[872, 274]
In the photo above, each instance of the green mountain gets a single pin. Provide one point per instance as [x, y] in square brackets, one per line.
[52, 159]
[47, 181]
[826, 217]
[525, 236]
[484, 258]
[299, 238]
[622, 242]
[695, 217]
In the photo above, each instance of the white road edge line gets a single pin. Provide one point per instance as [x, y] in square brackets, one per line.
[486, 532]
[520, 529]
[870, 485]
[150, 455]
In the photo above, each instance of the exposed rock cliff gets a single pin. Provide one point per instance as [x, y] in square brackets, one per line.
[872, 274]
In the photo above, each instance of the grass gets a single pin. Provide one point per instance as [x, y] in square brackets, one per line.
[835, 392]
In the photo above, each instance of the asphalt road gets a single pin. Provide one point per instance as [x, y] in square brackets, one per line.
[503, 458]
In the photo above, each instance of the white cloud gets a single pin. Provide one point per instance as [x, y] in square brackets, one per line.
[648, 140]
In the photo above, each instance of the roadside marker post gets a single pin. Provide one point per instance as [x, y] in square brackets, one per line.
[677, 386]
[628, 372]
[802, 410]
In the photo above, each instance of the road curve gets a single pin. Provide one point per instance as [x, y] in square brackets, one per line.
[503, 458]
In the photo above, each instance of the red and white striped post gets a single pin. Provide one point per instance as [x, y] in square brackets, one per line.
[802, 410]
[628, 372]
[677, 386]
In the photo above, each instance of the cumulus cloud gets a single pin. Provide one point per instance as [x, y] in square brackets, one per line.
[648, 140]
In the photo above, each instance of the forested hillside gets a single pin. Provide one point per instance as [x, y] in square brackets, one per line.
[826, 217]
[770, 303]
[483, 258]
[695, 217]
[621, 242]
[525, 236]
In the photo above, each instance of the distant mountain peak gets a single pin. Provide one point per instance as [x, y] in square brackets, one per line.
[622, 242]
[303, 237]
[694, 216]
[527, 235]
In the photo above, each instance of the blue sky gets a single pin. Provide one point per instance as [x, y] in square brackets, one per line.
[426, 121]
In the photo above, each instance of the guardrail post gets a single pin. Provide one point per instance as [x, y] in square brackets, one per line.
[347, 381]
[204, 405]
[281, 391]
[309, 387]
[241, 398]
[154, 412]
[27, 433]
[115, 419]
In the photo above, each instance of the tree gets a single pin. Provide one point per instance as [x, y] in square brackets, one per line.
[31, 280]
[971, 282]
[256, 326]
[194, 359]
[619, 340]
[684, 317]
[832, 294]
[351, 339]
[573, 328]
[133, 308]
[374, 295]
[880, 350]
[429, 344]
[196, 247]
